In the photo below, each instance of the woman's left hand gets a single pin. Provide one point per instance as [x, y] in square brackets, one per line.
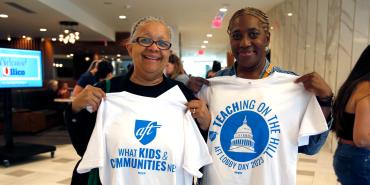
[200, 112]
[314, 83]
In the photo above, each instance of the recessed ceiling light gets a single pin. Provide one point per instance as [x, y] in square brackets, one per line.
[43, 29]
[205, 41]
[223, 9]
[24, 36]
[54, 39]
[122, 17]
[203, 46]
[271, 28]
[118, 55]
[3, 16]
[290, 14]
[209, 35]
[29, 38]
[9, 38]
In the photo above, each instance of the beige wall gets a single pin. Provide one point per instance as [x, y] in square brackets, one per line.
[326, 36]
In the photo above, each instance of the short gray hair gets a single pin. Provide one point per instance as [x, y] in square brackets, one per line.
[145, 20]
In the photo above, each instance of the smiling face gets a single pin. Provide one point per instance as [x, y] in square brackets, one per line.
[149, 62]
[248, 40]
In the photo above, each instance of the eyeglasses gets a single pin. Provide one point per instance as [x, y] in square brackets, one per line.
[147, 42]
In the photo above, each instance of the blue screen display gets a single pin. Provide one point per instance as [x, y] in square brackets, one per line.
[20, 68]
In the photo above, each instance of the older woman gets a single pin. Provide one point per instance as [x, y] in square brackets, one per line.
[143, 152]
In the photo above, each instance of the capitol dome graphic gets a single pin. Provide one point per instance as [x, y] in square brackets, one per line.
[243, 139]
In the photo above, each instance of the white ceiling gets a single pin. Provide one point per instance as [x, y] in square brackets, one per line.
[98, 19]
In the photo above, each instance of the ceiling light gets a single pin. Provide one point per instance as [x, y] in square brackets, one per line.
[69, 35]
[290, 14]
[71, 54]
[209, 35]
[122, 17]
[43, 29]
[53, 39]
[203, 46]
[9, 38]
[223, 9]
[118, 55]
[271, 28]
[3, 16]
[23, 36]
[87, 58]
[28, 38]
[205, 41]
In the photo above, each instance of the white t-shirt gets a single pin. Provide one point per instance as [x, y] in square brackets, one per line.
[256, 128]
[145, 141]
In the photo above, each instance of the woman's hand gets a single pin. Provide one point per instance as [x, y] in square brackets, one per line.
[200, 112]
[314, 83]
[89, 96]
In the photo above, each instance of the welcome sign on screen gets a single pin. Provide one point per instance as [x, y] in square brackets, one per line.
[20, 68]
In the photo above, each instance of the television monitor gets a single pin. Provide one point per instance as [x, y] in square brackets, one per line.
[20, 68]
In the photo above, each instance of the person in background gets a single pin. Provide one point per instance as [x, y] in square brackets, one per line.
[87, 78]
[148, 47]
[352, 125]
[53, 85]
[175, 69]
[51, 93]
[63, 91]
[216, 66]
[104, 70]
[248, 44]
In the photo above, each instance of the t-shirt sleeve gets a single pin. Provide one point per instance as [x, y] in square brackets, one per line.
[95, 152]
[196, 154]
[313, 121]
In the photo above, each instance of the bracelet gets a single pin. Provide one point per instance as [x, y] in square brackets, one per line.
[326, 101]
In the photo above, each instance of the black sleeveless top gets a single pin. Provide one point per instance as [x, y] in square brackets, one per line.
[347, 124]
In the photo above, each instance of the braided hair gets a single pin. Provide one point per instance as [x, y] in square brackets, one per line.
[264, 19]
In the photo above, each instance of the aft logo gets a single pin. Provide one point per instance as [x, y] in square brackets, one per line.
[244, 134]
[7, 71]
[145, 131]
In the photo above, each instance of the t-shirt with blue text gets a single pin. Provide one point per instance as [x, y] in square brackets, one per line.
[256, 128]
[145, 141]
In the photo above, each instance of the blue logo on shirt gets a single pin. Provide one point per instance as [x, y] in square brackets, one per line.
[145, 131]
[244, 136]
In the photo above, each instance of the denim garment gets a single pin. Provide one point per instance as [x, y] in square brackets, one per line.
[352, 165]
